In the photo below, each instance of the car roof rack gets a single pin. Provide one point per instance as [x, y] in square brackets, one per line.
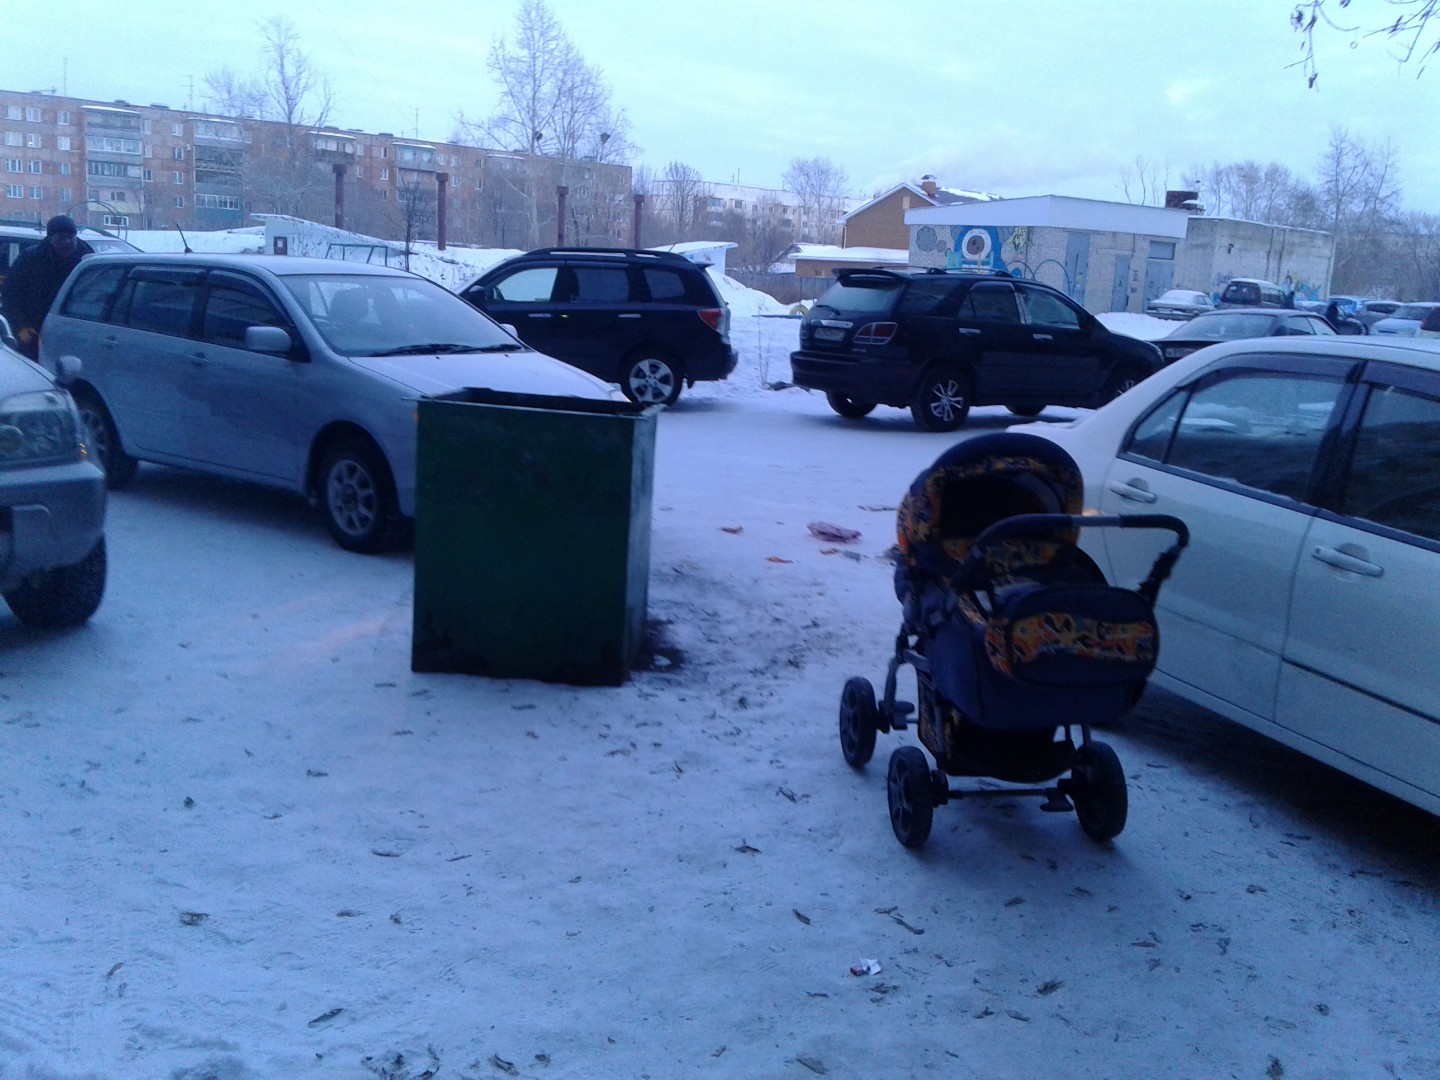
[611, 251]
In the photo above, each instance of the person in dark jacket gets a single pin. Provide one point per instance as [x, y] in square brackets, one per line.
[35, 278]
[1343, 323]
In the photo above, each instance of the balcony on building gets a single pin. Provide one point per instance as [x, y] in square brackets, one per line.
[333, 146]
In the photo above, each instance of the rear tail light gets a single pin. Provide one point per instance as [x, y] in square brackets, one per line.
[875, 333]
[717, 318]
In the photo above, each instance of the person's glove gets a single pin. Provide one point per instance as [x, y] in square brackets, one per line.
[26, 336]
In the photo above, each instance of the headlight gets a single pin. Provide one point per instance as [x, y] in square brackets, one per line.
[38, 426]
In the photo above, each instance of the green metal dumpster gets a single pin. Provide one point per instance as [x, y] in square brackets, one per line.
[532, 536]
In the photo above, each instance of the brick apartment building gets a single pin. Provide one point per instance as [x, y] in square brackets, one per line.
[117, 165]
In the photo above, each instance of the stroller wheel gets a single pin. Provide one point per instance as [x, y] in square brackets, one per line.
[912, 801]
[857, 721]
[1097, 787]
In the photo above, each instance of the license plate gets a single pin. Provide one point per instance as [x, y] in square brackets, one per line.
[829, 333]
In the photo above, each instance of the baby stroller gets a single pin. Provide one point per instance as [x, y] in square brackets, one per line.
[1015, 638]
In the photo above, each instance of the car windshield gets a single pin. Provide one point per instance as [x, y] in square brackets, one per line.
[1412, 311]
[1225, 326]
[860, 295]
[371, 315]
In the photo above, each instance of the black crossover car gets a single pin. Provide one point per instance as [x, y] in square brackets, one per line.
[938, 341]
[648, 320]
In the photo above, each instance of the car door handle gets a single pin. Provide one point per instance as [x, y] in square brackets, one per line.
[539, 315]
[1044, 337]
[199, 359]
[1345, 561]
[631, 315]
[968, 331]
[1133, 491]
[110, 342]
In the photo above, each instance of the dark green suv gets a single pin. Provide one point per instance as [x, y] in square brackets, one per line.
[939, 341]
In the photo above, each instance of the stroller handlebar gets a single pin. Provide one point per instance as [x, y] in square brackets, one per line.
[1051, 523]
[1023, 523]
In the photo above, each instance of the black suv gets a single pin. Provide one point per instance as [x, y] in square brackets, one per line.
[648, 320]
[938, 341]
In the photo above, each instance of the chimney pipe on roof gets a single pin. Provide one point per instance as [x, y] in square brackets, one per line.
[927, 185]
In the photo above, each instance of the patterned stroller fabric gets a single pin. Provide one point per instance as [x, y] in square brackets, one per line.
[1022, 631]
[977, 483]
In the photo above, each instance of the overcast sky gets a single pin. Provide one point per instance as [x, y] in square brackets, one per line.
[1044, 97]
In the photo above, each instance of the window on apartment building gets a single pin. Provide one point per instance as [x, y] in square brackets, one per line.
[12, 112]
[37, 193]
[177, 129]
[64, 168]
[385, 193]
[66, 194]
[14, 138]
[119, 196]
[63, 118]
[62, 142]
[36, 166]
[384, 174]
[145, 127]
[359, 171]
[34, 141]
[32, 114]
[14, 191]
[177, 177]
[179, 202]
[179, 153]
[14, 164]
[116, 219]
[149, 175]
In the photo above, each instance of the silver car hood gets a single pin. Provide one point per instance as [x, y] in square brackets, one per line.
[524, 372]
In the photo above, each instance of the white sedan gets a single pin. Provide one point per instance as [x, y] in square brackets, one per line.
[1307, 605]
[1179, 304]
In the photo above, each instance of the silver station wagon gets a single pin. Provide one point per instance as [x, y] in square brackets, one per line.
[291, 372]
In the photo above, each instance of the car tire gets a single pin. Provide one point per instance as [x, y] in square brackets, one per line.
[651, 378]
[943, 399]
[848, 407]
[63, 597]
[1119, 382]
[356, 493]
[103, 439]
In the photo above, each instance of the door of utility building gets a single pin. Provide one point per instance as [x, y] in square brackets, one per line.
[1159, 270]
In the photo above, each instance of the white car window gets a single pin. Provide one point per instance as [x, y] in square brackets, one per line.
[1259, 429]
[1395, 469]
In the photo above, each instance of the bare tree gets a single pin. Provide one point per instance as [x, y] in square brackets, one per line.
[555, 108]
[1253, 192]
[1417, 266]
[283, 176]
[1409, 32]
[682, 195]
[231, 94]
[821, 185]
[1144, 182]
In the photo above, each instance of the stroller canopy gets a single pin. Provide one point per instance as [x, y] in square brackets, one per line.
[977, 483]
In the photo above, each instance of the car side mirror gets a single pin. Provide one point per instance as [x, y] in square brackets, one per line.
[67, 370]
[267, 339]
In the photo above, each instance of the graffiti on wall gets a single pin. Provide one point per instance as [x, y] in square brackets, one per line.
[975, 247]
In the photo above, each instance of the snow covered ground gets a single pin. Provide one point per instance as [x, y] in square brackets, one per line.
[243, 841]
